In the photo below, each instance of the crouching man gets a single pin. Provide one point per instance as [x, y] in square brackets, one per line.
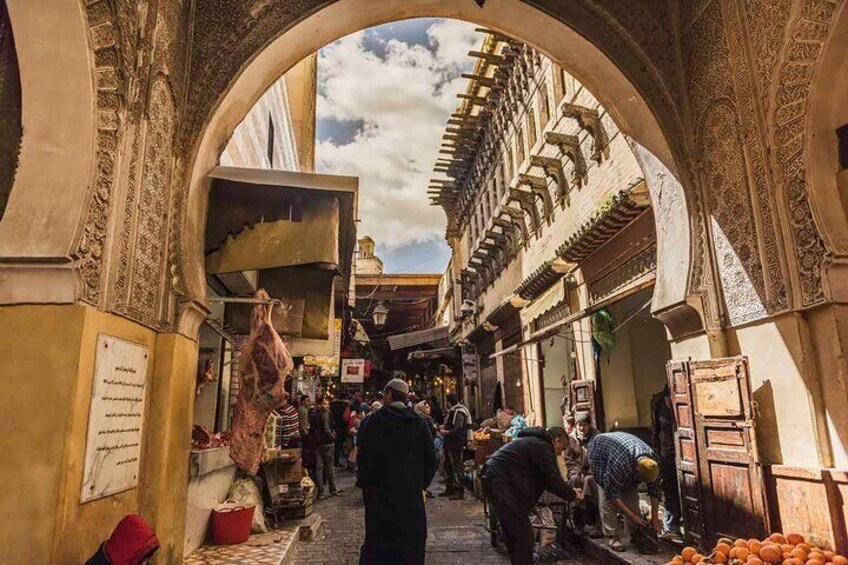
[619, 462]
[514, 478]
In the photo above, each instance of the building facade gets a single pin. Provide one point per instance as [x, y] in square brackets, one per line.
[735, 114]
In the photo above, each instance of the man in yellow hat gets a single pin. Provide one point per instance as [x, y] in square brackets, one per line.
[619, 462]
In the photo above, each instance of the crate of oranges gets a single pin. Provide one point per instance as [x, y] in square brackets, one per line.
[790, 549]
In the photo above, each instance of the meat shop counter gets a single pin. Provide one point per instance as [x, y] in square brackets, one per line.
[211, 472]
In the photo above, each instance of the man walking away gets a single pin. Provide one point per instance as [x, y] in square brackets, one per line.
[455, 434]
[580, 473]
[395, 464]
[514, 478]
[663, 429]
[322, 438]
[620, 461]
[338, 407]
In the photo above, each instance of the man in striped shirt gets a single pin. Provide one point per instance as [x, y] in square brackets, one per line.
[289, 425]
[619, 462]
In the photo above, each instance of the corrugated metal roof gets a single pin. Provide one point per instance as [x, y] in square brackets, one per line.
[412, 339]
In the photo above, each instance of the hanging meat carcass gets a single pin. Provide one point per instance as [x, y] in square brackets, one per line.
[264, 363]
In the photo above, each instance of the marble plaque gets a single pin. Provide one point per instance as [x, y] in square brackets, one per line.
[115, 418]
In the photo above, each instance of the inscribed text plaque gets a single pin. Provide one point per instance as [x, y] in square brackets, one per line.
[115, 418]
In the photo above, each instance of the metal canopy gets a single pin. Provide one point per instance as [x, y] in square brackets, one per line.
[419, 337]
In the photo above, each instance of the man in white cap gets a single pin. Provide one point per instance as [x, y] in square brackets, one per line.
[396, 463]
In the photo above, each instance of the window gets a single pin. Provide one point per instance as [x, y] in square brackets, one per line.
[270, 141]
[559, 83]
[519, 147]
[544, 105]
[531, 127]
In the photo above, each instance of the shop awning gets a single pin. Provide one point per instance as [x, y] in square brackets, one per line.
[554, 328]
[622, 208]
[420, 337]
[263, 219]
[294, 233]
[449, 356]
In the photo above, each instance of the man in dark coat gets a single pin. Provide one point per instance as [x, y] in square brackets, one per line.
[455, 434]
[514, 478]
[396, 462]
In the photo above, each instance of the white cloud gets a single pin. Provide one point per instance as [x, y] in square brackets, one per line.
[404, 99]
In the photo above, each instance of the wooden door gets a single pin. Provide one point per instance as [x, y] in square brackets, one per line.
[730, 468]
[686, 448]
[582, 398]
[718, 466]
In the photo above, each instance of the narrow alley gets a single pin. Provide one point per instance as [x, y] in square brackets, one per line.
[456, 531]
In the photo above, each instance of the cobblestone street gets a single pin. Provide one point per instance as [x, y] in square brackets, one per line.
[456, 532]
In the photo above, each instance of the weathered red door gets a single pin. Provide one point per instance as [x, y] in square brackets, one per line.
[721, 477]
[686, 446]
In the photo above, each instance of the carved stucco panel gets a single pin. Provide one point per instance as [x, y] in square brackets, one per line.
[751, 116]
[110, 78]
[148, 214]
[732, 223]
[788, 107]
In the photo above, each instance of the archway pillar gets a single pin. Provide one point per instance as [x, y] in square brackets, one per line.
[51, 361]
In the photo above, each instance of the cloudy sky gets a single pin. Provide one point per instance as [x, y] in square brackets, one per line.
[384, 96]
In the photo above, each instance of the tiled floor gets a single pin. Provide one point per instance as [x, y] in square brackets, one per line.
[274, 548]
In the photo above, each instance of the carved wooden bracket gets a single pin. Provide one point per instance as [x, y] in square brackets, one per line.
[554, 171]
[590, 121]
[539, 187]
[570, 147]
[528, 203]
[517, 218]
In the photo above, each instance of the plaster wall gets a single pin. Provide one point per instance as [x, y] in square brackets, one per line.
[785, 388]
[618, 384]
[557, 367]
[248, 146]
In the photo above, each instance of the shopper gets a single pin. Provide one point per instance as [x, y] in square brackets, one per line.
[619, 462]
[289, 425]
[337, 409]
[303, 415]
[455, 435]
[514, 478]
[322, 438]
[396, 463]
[580, 473]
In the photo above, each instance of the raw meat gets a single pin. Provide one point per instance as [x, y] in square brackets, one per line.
[264, 364]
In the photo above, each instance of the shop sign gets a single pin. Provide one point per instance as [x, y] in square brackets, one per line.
[353, 370]
[115, 418]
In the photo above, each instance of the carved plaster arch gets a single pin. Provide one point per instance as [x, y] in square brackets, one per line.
[826, 184]
[56, 162]
[598, 71]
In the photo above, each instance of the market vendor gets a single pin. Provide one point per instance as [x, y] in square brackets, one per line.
[619, 462]
[514, 478]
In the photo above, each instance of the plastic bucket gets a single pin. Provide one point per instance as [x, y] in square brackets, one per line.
[231, 524]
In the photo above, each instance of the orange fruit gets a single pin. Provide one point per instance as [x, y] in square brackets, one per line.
[740, 543]
[828, 556]
[755, 546]
[687, 554]
[816, 555]
[770, 553]
[740, 553]
[777, 538]
[697, 558]
[839, 560]
[799, 553]
[728, 541]
[722, 547]
[795, 539]
[805, 546]
[677, 560]
[754, 560]
[814, 562]
[718, 557]
[792, 561]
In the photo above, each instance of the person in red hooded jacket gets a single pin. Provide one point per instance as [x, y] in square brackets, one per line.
[133, 542]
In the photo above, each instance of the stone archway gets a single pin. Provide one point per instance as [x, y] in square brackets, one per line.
[635, 98]
[55, 164]
[827, 185]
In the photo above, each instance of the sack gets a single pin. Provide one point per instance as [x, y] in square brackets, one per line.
[245, 492]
